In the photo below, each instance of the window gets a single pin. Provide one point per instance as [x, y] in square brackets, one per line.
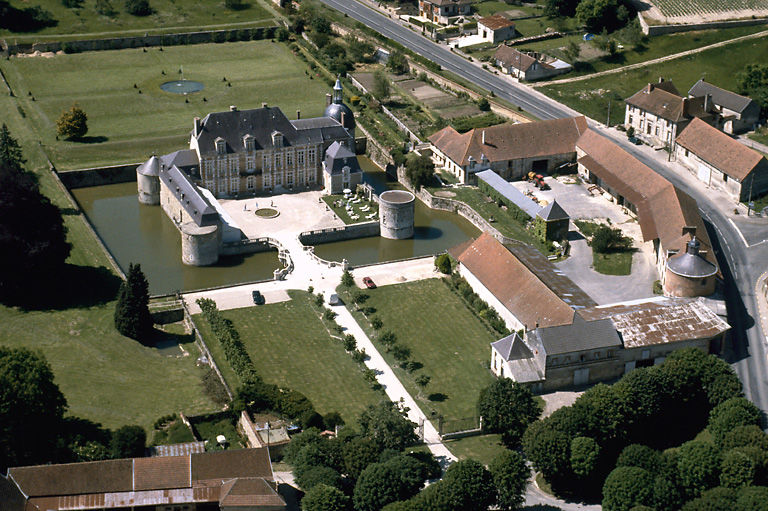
[250, 163]
[234, 184]
[221, 165]
[289, 178]
[311, 177]
[300, 158]
[233, 165]
[311, 156]
[725, 177]
[300, 177]
[703, 282]
[289, 160]
[266, 163]
[686, 152]
[210, 184]
[278, 161]
[267, 180]
[278, 178]
[657, 130]
[641, 123]
[250, 182]
[630, 119]
[221, 146]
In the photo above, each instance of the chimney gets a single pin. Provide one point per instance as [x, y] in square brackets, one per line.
[195, 127]
[706, 102]
[233, 108]
[685, 106]
[264, 104]
[298, 114]
[483, 137]
[661, 79]
[328, 98]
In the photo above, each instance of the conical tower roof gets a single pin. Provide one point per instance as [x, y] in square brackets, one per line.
[553, 211]
[151, 167]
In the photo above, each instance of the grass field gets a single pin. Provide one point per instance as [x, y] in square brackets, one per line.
[591, 97]
[290, 346]
[444, 336]
[613, 263]
[482, 448]
[125, 126]
[168, 15]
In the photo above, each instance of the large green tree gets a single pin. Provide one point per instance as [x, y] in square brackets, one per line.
[698, 466]
[388, 425]
[507, 407]
[128, 442]
[600, 15]
[753, 82]
[627, 487]
[469, 485]
[399, 478]
[726, 416]
[324, 498]
[132, 318]
[510, 477]
[31, 408]
[33, 242]
[72, 123]
[419, 169]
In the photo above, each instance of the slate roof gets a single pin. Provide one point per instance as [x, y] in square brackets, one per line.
[512, 347]
[185, 159]
[320, 129]
[690, 263]
[510, 57]
[523, 366]
[151, 167]
[514, 284]
[11, 498]
[553, 211]
[661, 321]
[190, 198]
[719, 150]
[663, 100]
[505, 142]
[495, 22]
[720, 97]
[206, 477]
[337, 156]
[662, 210]
[509, 192]
[580, 335]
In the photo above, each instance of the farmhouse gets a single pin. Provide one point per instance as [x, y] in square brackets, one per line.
[528, 66]
[737, 113]
[722, 162]
[510, 150]
[567, 338]
[668, 217]
[496, 28]
[658, 112]
[444, 11]
[224, 480]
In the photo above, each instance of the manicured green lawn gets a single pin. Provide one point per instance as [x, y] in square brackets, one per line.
[290, 347]
[106, 377]
[168, 14]
[357, 209]
[126, 126]
[444, 336]
[760, 135]
[613, 263]
[482, 448]
[591, 97]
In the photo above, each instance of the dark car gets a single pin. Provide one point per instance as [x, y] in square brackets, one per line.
[369, 283]
[258, 298]
[635, 140]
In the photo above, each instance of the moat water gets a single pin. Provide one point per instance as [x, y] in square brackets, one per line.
[135, 233]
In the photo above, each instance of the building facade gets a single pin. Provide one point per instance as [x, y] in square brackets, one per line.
[444, 12]
[737, 113]
[528, 66]
[496, 28]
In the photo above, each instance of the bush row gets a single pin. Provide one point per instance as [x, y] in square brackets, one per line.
[229, 337]
[485, 312]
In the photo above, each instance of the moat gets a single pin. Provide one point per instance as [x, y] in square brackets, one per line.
[134, 233]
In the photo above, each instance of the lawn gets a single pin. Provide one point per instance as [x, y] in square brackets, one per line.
[591, 97]
[106, 377]
[443, 335]
[482, 448]
[613, 263]
[290, 347]
[169, 15]
[760, 135]
[127, 123]
[358, 209]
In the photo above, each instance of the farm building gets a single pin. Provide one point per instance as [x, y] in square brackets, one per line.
[658, 112]
[510, 150]
[668, 217]
[722, 162]
[737, 113]
[224, 480]
[496, 28]
[528, 66]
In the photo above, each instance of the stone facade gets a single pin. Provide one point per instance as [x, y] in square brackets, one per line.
[442, 11]
[397, 214]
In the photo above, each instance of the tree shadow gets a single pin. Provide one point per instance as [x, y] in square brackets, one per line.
[29, 19]
[616, 58]
[437, 396]
[71, 287]
[166, 341]
[91, 139]
[291, 496]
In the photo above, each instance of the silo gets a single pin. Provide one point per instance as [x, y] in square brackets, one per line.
[396, 214]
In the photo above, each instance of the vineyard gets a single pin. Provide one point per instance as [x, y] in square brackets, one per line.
[680, 8]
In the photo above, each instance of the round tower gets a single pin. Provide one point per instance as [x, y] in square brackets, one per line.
[199, 244]
[689, 274]
[339, 111]
[396, 214]
[148, 181]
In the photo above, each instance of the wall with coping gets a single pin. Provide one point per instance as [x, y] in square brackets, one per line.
[653, 30]
[348, 232]
[98, 176]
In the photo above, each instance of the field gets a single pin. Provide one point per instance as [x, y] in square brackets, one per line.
[290, 346]
[591, 97]
[444, 336]
[678, 8]
[169, 15]
[127, 123]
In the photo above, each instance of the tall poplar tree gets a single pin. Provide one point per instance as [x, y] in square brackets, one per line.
[132, 318]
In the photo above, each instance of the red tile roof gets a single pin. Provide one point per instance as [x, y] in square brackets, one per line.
[511, 141]
[495, 22]
[719, 150]
[663, 100]
[514, 285]
[511, 57]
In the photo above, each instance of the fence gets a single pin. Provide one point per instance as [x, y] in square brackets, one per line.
[459, 428]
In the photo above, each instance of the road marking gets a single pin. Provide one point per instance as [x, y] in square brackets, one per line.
[739, 231]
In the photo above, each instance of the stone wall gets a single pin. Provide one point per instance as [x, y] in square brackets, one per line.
[165, 317]
[653, 30]
[249, 246]
[98, 176]
[348, 232]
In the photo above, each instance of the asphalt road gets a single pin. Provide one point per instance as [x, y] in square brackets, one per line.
[742, 262]
[531, 101]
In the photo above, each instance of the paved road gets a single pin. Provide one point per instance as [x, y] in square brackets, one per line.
[531, 101]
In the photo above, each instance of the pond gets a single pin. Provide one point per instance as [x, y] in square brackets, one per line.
[182, 86]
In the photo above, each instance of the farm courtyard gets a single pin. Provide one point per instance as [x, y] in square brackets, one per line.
[130, 117]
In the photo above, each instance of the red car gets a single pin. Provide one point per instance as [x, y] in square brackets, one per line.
[369, 283]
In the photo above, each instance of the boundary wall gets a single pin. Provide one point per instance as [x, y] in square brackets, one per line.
[348, 232]
[652, 30]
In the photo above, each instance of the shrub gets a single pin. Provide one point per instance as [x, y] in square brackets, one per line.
[329, 315]
[377, 323]
[443, 264]
[138, 7]
[349, 343]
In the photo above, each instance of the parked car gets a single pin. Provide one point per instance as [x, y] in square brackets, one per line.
[333, 299]
[635, 140]
[258, 298]
[369, 283]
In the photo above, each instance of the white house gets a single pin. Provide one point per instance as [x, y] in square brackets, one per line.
[496, 28]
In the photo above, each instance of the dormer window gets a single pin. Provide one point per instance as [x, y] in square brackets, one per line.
[221, 146]
[277, 139]
[249, 142]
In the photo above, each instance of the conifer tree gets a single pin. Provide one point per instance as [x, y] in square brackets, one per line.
[132, 317]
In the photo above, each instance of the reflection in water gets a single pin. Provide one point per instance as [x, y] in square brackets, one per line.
[143, 234]
[435, 231]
